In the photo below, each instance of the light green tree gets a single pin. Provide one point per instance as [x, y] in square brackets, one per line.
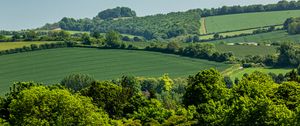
[42, 106]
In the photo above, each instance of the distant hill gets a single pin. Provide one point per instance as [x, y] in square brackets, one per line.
[124, 20]
[165, 26]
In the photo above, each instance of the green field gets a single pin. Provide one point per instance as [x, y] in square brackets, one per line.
[50, 66]
[244, 50]
[241, 72]
[276, 36]
[13, 45]
[247, 20]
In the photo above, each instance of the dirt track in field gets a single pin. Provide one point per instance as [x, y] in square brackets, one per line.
[203, 29]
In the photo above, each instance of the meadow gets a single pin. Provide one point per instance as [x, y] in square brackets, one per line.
[51, 66]
[13, 45]
[247, 20]
[244, 50]
[239, 73]
[276, 36]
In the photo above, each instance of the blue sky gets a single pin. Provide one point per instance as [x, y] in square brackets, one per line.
[24, 14]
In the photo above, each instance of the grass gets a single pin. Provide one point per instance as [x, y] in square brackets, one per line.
[13, 45]
[276, 36]
[244, 50]
[50, 66]
[239, 73]
[247, 20]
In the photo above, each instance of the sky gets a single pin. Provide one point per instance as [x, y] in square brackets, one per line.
[27, 14]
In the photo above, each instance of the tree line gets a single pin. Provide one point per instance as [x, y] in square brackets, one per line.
[35, 47]
[201, 99]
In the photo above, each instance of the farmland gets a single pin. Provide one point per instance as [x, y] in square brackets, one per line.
[13, 45]
[276, 36]
[249, 20]
[244, 50]
[241, 72]
[50, 66]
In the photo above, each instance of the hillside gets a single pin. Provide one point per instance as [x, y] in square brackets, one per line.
[247, 20]
[160, 26]
[50, 66]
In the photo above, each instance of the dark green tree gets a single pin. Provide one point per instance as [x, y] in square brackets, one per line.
[113, 39]
[77, 82]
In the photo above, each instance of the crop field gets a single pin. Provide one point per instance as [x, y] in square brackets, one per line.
[244, 50]
[276, 36]
[13, 45]
[240, 73]
[247, 20]
[50, 66]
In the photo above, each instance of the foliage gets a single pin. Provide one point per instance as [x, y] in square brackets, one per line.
[34, 47]
[77, 82]
[292, 25]
[204, 86]
[117, 12]
[281, 5]
[116, 100]
[31, 104]
[255, 100]
[288, 55]
[113, 39]
[201, 51]
[161, 26]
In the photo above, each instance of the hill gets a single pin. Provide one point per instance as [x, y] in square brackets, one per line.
[247, 20]
[160, 26]
[50, 66]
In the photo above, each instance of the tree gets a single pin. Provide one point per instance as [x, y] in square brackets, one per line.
[113, 39]
[217, 36]
[288, 93]
[96, 34]
[43, 106]
[116, 13]
[204, 86]
[137, 39]
[108, 96]
[86, 39]
[292, 76]
[288, 55]
[77, 82]
[228, 81]
[172, 47]
[154, 111]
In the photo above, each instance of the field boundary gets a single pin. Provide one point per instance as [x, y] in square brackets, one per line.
[242, 29]
[203, 29]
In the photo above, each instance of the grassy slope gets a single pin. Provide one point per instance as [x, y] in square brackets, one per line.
[276, 36]
[244, 50]
[247, 20]
[12, 45]
[50, 66]
[240, 73]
